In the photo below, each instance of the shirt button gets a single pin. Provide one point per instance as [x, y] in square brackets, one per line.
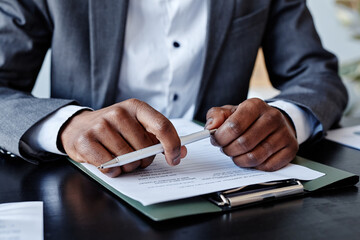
[175, 97]
[176, 44]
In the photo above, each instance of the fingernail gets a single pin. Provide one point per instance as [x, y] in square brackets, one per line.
[176, 161]
[209, 122]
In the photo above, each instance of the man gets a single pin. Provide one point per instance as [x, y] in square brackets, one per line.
[124, 59]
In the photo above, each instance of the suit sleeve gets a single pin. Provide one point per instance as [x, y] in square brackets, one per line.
[299, 66]
[25, 36]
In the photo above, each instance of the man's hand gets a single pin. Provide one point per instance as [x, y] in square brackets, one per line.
[254, 134]
[96, 137]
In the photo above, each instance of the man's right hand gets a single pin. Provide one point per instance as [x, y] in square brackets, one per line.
[96, 137]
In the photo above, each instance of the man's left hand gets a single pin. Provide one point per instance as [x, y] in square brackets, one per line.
[254, 134]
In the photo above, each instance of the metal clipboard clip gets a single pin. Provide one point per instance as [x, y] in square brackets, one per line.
[257, 193]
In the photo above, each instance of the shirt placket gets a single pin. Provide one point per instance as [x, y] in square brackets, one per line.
[167, 22]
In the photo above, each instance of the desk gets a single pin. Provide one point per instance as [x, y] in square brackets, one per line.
[76, 207]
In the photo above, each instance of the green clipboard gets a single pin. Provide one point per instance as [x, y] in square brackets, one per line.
[199, 205]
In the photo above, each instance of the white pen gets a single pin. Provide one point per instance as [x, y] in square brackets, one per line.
[153, 150]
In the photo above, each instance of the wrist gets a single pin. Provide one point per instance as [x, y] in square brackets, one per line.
[63, 129]
[288, 120]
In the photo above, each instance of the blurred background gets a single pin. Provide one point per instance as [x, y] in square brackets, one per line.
[338, 24]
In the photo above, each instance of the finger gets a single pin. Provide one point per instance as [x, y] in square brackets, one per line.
[147, 161]
[183, 152]
[261, 152]
[111, 139]
[217, 116]
[157, 124]
[237, 123]
[93, 152]
[278, 160]
[263, 127]
[137, 137]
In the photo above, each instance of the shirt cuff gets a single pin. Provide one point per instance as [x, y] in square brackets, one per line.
[304, 122]
[43, 135]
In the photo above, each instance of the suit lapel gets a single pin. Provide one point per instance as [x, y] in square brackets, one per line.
[107, 21]
[220, 15]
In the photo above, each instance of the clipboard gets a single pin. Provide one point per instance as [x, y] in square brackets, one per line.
[257, 193]
[333, 178]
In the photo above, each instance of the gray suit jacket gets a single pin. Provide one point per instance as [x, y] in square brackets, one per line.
[87, 36]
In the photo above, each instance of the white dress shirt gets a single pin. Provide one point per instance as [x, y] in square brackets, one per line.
[164, 54]
[162, 65]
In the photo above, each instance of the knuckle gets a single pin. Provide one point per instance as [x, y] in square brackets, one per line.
[131, 104]
[82, 141]
[81, 153]
[163, 127]
[256, 102]
[100, 126]
[234, 127]
[141, 104]
[117, 113]
[273, 116]
[246, 160]
[243, 143]
[267, 146]
[253, 105]
[252, 159]
[132, 101]
[137, 104]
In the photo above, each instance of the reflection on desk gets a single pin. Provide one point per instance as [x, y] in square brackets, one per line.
[76, 207]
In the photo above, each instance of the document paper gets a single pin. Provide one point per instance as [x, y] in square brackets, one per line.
[204, 170]
[21, 220]
[349, 136]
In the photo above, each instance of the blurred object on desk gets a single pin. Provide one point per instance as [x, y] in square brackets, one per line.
[350, 73]
[348, 136]
[348, 12]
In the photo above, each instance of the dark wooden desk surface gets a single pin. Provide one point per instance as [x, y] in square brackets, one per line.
[75, 207]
